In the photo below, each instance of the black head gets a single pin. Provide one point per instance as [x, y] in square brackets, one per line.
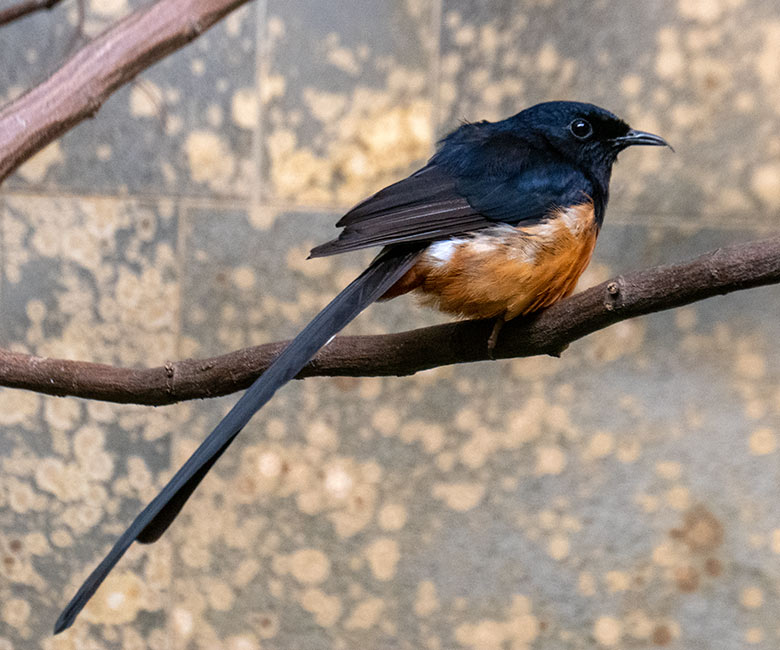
[531, 145]
[585, 134]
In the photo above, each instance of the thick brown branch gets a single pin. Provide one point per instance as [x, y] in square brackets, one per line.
[14, 12]
[78, 89]
[741, 266]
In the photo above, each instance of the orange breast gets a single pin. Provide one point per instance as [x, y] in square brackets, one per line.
[505, 271]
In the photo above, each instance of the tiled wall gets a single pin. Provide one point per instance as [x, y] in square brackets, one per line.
[624, 496]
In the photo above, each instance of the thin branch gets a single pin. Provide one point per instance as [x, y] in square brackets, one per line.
[24, 8]
[80, 87]
[741, 266]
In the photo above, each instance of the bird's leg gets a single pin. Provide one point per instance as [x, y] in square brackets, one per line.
[493, 338]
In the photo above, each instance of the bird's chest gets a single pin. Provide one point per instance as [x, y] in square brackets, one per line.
[508, 271]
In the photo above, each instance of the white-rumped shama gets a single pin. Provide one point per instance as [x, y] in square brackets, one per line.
[500, 222]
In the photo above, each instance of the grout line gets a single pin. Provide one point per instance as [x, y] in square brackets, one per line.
[261, 56]
[435, 72]
[182, 239]
[203, 202]
[229, 202]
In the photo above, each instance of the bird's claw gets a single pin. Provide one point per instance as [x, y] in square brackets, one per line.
[493, 338]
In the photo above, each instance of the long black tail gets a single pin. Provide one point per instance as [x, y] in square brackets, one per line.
[383, 272]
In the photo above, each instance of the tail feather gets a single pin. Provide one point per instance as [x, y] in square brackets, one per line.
[152, 522]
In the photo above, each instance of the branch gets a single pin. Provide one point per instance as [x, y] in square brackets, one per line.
[24, 8]
[80, 87]
[741, 266]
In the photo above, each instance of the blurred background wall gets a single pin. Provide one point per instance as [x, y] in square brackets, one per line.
[623, 496]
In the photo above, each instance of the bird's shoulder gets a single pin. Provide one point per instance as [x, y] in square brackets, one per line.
[488, 148]
[510, 174]
[481, 174]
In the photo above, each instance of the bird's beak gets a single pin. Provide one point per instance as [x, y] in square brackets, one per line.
[640, 137]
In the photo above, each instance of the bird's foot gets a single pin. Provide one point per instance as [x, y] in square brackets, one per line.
[493, 338]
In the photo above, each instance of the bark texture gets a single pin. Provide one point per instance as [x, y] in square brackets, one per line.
[721, 271]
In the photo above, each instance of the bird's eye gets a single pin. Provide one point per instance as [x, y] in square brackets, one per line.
[581, 128]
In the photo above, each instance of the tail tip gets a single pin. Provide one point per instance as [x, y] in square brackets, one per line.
[63, 622]
[68, 615]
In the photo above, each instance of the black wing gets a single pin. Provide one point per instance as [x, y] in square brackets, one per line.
[423, 207]
[452, 196]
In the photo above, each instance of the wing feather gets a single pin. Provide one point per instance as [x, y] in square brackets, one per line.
[462, 190]
[423, 207]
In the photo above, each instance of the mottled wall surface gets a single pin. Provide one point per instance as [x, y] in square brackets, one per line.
[624, 496]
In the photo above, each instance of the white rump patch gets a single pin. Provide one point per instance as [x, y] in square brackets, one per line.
[481, 245]
[441, 252]
[547, 230]
[525, 252]
[575, 218]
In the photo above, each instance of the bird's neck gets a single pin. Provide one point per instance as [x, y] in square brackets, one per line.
[600, 180]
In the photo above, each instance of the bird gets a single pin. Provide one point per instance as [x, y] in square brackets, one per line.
[500, 223]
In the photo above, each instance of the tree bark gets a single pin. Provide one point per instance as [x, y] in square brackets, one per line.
[721, 271]
[80, 87]
[24, 8]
